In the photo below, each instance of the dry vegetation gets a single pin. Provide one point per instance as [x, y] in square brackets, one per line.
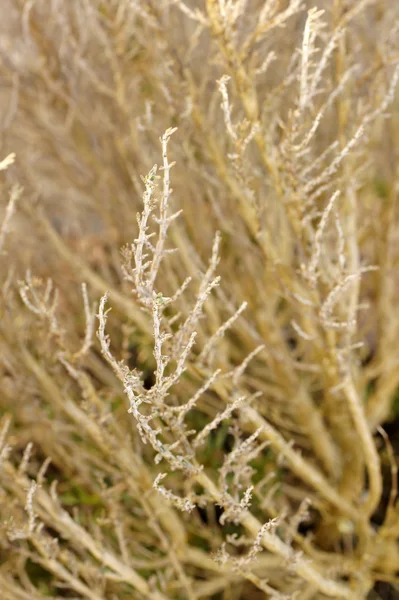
[232, 431]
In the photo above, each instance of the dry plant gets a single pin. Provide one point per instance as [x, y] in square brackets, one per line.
[231, 432]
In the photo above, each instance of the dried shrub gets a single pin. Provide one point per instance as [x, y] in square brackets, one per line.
[224, 435]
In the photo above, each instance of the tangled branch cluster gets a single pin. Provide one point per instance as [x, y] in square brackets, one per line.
[231, 432]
